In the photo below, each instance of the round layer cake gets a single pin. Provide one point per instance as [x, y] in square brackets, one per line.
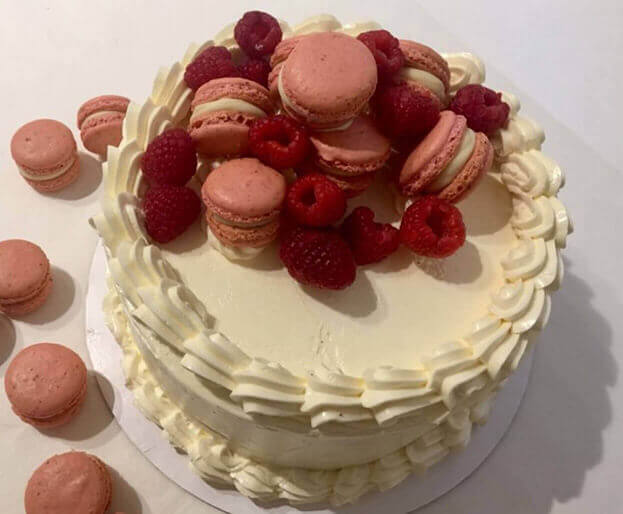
[312, 395]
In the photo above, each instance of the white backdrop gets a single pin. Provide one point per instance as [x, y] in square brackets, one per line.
[564, 451]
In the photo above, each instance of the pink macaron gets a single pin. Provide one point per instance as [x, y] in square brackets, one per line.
[222, 111]
[69, 483]
[448, 162]
[426, 71]
[327, 80]
[46, 384]
[350, 157]
[45, 154]
[25, 277]
[279, 56]
[243, 199]
[100, 121]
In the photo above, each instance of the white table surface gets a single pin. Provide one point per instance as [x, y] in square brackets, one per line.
[565, 450]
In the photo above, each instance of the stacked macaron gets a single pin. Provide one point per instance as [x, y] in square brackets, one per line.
[448, 162]
[25, 277]
[426, 71]
[243, 200]
[222, 111]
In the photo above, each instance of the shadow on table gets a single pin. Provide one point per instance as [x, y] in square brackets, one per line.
[89, 426]
[124, 497]
[87, 182]
[547, 455]
[8, 338]
[58, 304]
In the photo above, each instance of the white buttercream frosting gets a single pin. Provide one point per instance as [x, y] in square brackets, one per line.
[465, 68]
[412, 417]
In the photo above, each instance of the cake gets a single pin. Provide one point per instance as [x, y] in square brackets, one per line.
[313, 395]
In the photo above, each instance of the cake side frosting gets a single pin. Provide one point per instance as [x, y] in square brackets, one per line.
[456, 383]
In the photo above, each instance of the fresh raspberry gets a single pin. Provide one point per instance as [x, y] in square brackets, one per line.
[369, 241]
[484, 109]
[257, 33]
[432, 227]
[256, 70]
[402, 112]
[169, 211]
[213, 63]
[315, 200]
[319, 258]
[279, 141]
[170, 158]
[386, 51]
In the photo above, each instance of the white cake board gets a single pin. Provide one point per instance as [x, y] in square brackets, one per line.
[411, 494]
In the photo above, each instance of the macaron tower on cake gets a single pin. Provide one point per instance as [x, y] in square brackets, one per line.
[327, 249]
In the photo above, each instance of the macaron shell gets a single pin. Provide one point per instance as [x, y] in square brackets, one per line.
[236, 88]
[60, 419]
[102, 103]
[353, 186]
[221, 134]
[475, 168]
[42, 146]
[101, 131]
[45, 380]
[328, 79]
[361, 148]
[284, 49]
[425, 58]
[433, 153]
[24, 307]
[244, 190]
[238, 237]
[73, 482]
[60, 182]
[24, 268]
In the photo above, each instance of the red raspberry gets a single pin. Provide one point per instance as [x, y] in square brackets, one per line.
[256, 70]
[369, 241]
[213, 63]
[319, 258]
[484, 109]
[169, 211]
[386, 51]
[279, 141]
[403, 112]
[315, 200]
[257, 33]
[170, 158]
[432, 227]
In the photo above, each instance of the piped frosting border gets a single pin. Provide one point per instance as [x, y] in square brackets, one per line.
[454, 388]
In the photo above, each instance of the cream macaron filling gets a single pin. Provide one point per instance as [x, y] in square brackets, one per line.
[456, 164]
[42, 178]
[227, 104]
[98, 115]
[291, 107]
[428, 80]
[242, 224]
